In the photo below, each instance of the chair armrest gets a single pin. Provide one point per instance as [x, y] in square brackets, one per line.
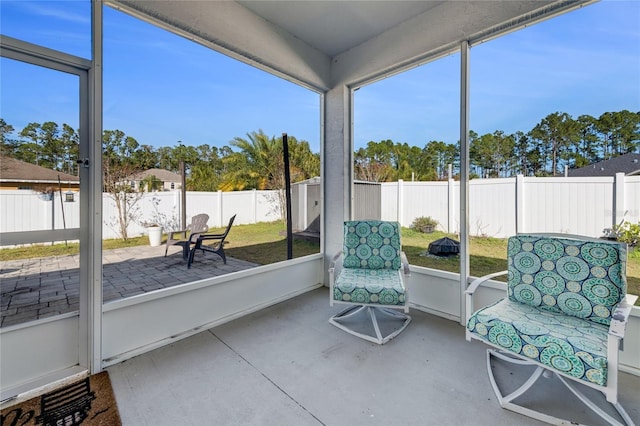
[335, 259]
[170, 234]
[479, 281]
[194, 237]
[469, 294]
[332, 274]
[620, 316]
[405, 264]
[203, 237]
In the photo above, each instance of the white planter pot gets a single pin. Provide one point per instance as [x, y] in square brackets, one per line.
[155, 235]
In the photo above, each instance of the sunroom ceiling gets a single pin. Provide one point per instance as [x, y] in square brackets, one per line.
[334, 27]
[321, 44]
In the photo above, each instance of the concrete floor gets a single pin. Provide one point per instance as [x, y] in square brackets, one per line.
[286, 365]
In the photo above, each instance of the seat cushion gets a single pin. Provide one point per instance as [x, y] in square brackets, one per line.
[575, 346]
[375, 286]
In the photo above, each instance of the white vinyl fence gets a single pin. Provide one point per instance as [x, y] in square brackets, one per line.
[29, 211]
[497, 207]
[164, 208]
[503, 207]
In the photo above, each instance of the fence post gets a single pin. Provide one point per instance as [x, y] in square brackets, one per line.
[48, 215]
[220, 209]
[520, 216]
[618, 199]
[451, 218]
[303, 202]
[400, 201]
[254, 200]
[177, 206]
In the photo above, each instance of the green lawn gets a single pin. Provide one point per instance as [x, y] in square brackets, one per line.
[265, 243]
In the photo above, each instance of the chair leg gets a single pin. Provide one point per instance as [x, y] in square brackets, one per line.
[506, 400]
[353, 310]
[191, 253]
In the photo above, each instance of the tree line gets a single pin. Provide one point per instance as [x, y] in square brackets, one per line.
[558, 140]
[256, 161]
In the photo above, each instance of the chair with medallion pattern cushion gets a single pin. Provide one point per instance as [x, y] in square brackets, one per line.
[565, 313]
[369, 275]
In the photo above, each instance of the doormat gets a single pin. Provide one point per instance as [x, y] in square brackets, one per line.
[88, 402]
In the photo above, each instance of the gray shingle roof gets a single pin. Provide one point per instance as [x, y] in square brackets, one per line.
[629, 164]
[161, 174]
[12, 170]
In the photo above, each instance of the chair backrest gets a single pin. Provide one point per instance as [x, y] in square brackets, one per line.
[226, 231]
[581, 277]
[372, 244]
[199, 223]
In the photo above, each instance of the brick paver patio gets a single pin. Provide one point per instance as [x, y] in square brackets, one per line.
[38, 288]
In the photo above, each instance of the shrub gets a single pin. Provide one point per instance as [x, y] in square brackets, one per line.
[627, 232]
[424, 224]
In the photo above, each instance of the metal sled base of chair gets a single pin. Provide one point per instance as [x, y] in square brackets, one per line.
[371, 310]
[506, 400]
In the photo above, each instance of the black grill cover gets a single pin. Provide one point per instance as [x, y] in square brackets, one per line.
[444, 247]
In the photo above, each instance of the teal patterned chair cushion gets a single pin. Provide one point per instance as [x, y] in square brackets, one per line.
[371, 245]
[575, 346]
[370, 286]
[584, 279]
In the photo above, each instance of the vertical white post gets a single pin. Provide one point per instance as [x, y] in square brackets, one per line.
[90, 329]
[520, 212]
[400, 201]
[46, 209]
[451, 218]
[176, 205]
[618, 199]
[303, 198]
[254, 200]
[220, 225]
[464, 175]
[337, 168]
[53, 211]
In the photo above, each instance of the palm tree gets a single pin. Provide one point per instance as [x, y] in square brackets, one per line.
[260, 162]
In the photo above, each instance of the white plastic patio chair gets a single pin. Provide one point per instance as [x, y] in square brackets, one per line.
[187, 237]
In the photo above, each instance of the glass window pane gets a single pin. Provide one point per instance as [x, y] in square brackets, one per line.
[167, 100]
[60, 25]
[40, 113]
[39, 191]
[407, 128]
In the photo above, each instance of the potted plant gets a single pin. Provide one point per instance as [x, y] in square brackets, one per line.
[424, 224]
[155, 234]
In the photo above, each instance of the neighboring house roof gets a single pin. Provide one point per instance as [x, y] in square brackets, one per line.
[12, 170]
[161, 174]
[629, 164]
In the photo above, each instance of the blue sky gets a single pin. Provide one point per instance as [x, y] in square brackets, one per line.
[161, 89]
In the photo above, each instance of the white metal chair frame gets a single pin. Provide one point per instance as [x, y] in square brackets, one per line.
[615, 338]
[371, 309]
